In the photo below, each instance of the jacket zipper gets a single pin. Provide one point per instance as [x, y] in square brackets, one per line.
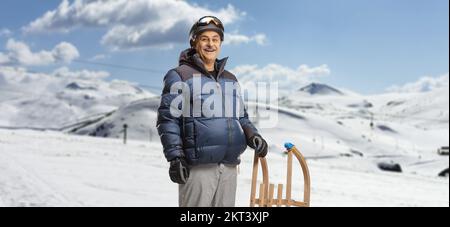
[230, 137]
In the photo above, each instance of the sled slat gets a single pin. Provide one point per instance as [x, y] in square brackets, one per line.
[254, 181]
[289, 177]
[262, 195]
[280, 195]
[270, 199]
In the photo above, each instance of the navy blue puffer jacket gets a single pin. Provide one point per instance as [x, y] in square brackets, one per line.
[198, 138]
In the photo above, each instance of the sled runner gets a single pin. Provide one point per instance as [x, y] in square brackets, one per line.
[266, 190]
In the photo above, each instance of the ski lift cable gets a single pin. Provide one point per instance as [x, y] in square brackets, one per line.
[83, 61]
[120, 66]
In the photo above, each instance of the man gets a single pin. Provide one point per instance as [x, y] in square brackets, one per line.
[204, 149]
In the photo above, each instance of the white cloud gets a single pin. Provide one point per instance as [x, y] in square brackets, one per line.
[28, 82]
[5, 32]
[134, 24]
[19, 53]
[235, 39]
[4, 59]
[288, 79]
[3, 81]
[65, 52]
[424, 84]
[65, 72]
[99, 57]
[35, 82]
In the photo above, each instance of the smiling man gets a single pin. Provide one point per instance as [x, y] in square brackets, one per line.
[204, 149]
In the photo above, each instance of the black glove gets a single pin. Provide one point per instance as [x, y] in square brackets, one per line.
[179, 171]
[259, 144]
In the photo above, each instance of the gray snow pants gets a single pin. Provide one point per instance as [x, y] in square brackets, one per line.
[212, 185]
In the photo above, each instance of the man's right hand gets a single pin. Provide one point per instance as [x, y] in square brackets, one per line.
[179, 171]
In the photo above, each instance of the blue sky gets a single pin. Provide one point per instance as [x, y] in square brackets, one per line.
[368, 45]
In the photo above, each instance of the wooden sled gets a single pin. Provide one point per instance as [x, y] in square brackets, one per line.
[266, 190]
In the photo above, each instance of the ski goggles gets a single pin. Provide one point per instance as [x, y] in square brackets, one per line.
[210, 19]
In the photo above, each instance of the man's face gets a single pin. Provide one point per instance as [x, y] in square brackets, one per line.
[208, 45]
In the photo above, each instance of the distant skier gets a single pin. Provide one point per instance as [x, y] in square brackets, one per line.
[204, 151]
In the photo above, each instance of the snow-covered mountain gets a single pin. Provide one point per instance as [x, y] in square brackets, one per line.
[139, 117]
[426, 109]
[37, 100]
[320, 89]
[338, 130]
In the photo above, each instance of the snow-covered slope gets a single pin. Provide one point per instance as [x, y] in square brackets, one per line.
[139, 116]
[89, 171]
[425, 110]
[400, 128]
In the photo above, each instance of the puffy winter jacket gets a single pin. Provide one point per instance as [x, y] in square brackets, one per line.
[198, 138]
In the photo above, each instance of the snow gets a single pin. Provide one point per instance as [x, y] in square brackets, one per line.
[38, 100]
[81, 171]
[140, 117]
[344, 136]
[55, 169]
[320, 89]
[332, 130]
